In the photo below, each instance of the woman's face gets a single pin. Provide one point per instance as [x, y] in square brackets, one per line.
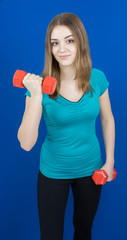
[63, 43]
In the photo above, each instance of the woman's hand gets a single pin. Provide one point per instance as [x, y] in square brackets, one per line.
[108, 167]
[33, 83]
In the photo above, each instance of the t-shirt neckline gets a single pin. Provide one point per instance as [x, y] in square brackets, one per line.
[72, 101]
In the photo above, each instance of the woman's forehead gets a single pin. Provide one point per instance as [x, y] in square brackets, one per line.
[60, 31]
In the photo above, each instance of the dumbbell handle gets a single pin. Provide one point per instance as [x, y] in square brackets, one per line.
[100, 176]
[48, 84]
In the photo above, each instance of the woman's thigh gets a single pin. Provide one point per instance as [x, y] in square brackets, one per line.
[86, 199]
[52, 195]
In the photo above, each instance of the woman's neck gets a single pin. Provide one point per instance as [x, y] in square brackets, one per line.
[67, 74]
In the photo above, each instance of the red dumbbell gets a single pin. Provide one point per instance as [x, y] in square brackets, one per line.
[48, 84]
[100, 176]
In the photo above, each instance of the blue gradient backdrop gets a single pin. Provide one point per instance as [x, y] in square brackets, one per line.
[23, 26]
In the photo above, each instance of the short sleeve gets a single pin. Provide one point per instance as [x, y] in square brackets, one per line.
[27, 93]
[104, 83]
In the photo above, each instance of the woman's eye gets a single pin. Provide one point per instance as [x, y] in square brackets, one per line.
[67, 40]
[53, 43]
[71, 40]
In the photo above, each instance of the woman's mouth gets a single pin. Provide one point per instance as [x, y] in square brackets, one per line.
[64, 56]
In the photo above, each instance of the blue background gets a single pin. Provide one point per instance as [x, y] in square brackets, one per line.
[23, 26]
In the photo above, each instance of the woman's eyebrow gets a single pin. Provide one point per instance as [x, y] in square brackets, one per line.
[64, 38]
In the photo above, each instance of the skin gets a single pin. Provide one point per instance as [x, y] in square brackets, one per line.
[63, 46]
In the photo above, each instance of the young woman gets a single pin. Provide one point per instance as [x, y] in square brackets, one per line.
[71, 152]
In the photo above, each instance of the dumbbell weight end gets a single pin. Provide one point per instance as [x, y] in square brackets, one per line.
[100, 176]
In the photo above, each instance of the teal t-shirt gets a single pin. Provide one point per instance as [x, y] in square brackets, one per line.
[71, 148]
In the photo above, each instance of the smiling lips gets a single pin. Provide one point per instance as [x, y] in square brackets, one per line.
[64, 56]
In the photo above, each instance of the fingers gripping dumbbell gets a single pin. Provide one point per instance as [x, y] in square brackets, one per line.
[48, 84]
[100, 176]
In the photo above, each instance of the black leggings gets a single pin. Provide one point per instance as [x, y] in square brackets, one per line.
[52, 197]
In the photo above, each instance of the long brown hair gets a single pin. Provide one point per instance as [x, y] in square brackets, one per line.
[83, 59]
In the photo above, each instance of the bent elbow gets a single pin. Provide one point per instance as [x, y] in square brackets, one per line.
[25, 148]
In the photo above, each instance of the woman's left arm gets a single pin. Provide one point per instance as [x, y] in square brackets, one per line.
[108, 129]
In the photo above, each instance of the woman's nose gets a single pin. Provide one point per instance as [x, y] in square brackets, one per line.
[62, 46]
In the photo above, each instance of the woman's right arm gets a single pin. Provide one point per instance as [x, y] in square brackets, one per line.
[28, 130]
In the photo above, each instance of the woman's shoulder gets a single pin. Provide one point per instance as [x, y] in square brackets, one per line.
[96, 76]
[96, 72]
[99, 80]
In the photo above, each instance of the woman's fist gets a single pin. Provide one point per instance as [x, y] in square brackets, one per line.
[33, 83]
